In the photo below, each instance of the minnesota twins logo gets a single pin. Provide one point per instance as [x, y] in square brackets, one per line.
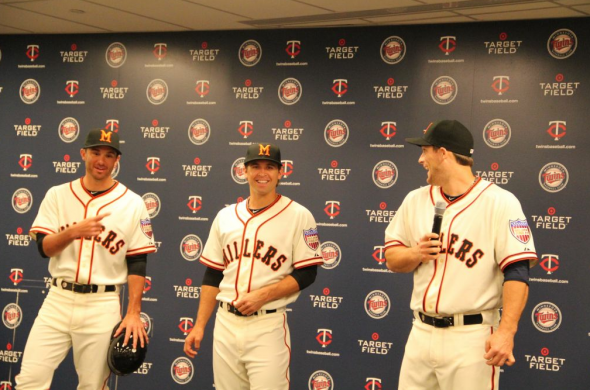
[33, 52]
[157, 91]
[336, 133]
[385, 174]
[293, 48]
[379, 254]
[116, 55]
[549, 263]
[377, 304]
[191, 247]
[246, 128]
[16, 275]
[501, 84]
[448, 44]
[26, 161]
[185, 325]
[72, 87]
[331, 253]
[332, 208]
[520, 230]
[340, 87]
[182, 370]
[147, 322]
[12, 316]
[373, 384]
[5, 385]
[553, 177]
[195, 203]
[153, 164]
[388, 130]
[68, 130]
[202, 88]
[112, 125]
[546, 317]
[393, 50]
[30, 91]
[444, 90]
[152, 204]
[238, 171]
[562, 44]
[199, 131]
[22, 200]
[321, 380]
[287, 167]
[290, 91]
[324, 337]
[497, 133]
[250, 53]
[557, 129]
[147, 285]
[160, 50]
[311, 238]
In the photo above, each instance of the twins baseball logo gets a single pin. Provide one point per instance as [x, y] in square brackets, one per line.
[332, 208]
[68, 130]
[340, 87]
[553, 177]
[520, 230]
[112, 125]
[182, 370]
[147, 285]
[5, 385]
[324, 337]
[393, 50]
[16, 275]
[146, 228]
[331, 253]
[153, 164]
[447, 44]
[33, 52]
[152, 204]
[12, 316]
[287, 168]
[501, 84]
[72, 87]
[185, 325]
[25, 161]
[116, 55]
[195, 203]
[388, 130]
[549, 263]
[546, 317]
[290, 91]
[373, 384]
[321, 380]
[377, 304]
[246, 128]
[147, 322]
[379, 254]
[385, 174]
[250, 53]
[336, 133]
[497, 133]
[191, 247]
[311, 238]
[160, 50]
[202, 88]
[157, 91]
[293, 48]
[22, 200]
[199, 131]
[562, 44]
[30, 91]
[238, 171]
[556, 129]
[444, 90]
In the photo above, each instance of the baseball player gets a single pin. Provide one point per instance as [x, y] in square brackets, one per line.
[97, 234]
[259, 255]
[479, 263]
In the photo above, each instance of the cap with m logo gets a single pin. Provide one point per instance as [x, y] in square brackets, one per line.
[102, 137]
[263, 151]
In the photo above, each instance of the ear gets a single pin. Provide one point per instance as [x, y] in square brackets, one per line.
[83, 154]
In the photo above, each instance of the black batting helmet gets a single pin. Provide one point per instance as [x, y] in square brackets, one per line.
[124, 360]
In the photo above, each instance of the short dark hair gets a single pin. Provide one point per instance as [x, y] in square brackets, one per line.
[461, 159]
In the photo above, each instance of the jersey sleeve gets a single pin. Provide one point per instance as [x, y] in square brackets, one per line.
[142, 236]
[396, 233]
[212, 255]
[514, 240]
[306, 243]
[47, 220]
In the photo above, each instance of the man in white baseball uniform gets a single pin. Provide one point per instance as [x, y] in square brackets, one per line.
[479, 263]
[259, 255]
[97, 234]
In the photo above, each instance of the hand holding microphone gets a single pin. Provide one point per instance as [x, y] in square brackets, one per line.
[429, 246]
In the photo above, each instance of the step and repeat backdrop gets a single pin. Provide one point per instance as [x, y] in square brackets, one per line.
[339, 102]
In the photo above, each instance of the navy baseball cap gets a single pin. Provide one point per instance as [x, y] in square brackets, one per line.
[449, 134]
[263, 151]
[102, 137]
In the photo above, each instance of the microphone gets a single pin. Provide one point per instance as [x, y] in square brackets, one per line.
[439, 210]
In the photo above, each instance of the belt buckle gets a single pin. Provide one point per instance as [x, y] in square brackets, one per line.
[443, 322]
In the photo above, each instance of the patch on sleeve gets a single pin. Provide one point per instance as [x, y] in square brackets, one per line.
[146, 227]
[311, 238]
[520, 230]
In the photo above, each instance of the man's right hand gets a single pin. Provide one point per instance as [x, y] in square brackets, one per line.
[90, 227]
[192, 343]
[428, 248]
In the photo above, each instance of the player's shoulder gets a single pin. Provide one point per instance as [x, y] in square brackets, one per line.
[294, 206]
[420, 193]
[494, 191]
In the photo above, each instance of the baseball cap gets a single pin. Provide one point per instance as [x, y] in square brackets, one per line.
[263, 151]
[102, 137]
[449, 134]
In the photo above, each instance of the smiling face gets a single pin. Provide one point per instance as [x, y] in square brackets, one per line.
[431, 160]
[100, 162]
[263, 177]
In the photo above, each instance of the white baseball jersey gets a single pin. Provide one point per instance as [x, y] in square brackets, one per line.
[256, 250]
[99, 260]
[482, 232]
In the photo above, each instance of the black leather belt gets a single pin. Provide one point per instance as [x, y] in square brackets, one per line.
[82, 288]
[233, 310]
[445, 322]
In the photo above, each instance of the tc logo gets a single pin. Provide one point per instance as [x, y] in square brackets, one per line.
[448, 44]
[340, 87]
[388, 130]
[332, 208]
[379, 254]
[501, 84]
[287, 167]
[25, 162]
[202, 88]
[33, 52]
[16, 275]
[147, 285]
[373, 384]
[160, 50]
[293, 48]
[72, 87]
[324, 337]
[246, 129]
[194, 203]
[185, 325]
[153, 164]
[112, 125]
[556, 129]
[549, 263]
[5, 385]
